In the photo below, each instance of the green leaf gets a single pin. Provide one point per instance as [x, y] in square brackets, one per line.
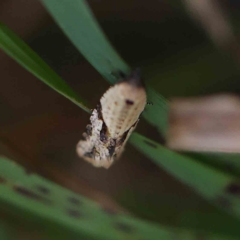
[78, 23]
[176, 209]
[76, 20]
[63, 213]
[157, 111]
[228, 162]
[219, 188]
[5, 232]
[25, 56]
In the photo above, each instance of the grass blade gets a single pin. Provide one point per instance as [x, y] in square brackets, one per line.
[219, 188]
[78, 23]
[229, 162]
[25, 56]
[32, 198]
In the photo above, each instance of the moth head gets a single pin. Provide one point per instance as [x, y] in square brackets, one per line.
[131, 87]
[135, 78]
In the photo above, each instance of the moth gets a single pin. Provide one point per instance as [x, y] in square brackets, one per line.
[112, 122]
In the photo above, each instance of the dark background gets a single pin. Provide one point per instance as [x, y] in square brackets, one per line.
[40, 128]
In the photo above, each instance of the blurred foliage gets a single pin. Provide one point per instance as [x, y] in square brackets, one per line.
[18, 50]
[61, 212]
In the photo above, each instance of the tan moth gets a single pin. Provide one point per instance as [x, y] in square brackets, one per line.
[113, 121]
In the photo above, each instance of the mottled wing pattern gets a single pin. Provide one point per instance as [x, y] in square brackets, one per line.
[112, 122]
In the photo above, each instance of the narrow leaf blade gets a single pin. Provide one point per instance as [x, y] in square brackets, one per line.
[26, 57]
[78, 23]
[20, 193]
[219, 188]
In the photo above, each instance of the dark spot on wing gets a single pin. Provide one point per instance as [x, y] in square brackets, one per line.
[90, 154]
[124, 227]
[99, 111]
[233, 188]
[122, 139]
[129, 102]
[114, 156]
[2, 180]
[150, 144]
[103, 133]
[134, 125]
[89, 129]
[111, 150]
[74, 201]
[73, 213]
[43, 190]
[116, 103]
[29, 194]
[111, 147]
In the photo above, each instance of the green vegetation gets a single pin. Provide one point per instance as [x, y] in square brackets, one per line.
[64, 214]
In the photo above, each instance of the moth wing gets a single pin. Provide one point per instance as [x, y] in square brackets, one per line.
[121, 106]
[121, 147]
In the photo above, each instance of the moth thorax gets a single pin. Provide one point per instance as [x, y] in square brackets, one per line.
[121, 106]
